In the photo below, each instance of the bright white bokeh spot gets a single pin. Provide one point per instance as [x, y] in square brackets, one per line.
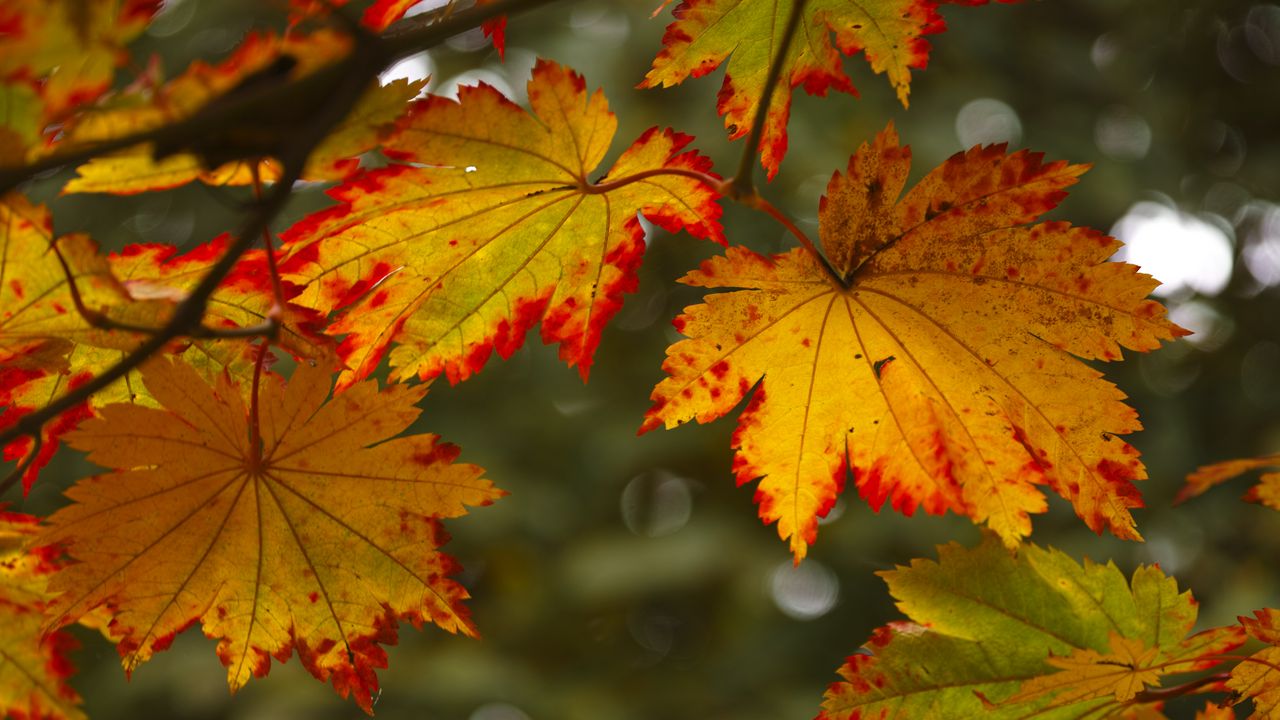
[834, 513]
[425, 6]
[599, 22]
[499, 711]
[1262, 32]
[656, 503]
[985, 121]
[1104, 51]
[413, 68]
[1183, 252]
[1262, 251]
[804, 592]
[449, 88]
[1122, 134]
[1209, 328]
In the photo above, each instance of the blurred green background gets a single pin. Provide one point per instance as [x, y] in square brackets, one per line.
[627, 578]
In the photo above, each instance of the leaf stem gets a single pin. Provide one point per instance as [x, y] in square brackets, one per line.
[277, 292]
[1162, 694]
[741, 185]
[716, 183]
[255, 426]
[720, 186]
[756, 201]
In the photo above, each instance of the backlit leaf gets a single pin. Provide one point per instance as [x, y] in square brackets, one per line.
[1258, 678]
[320, 543]
[890, 33]
[940, 367]
[496, 228]
[33, 666]
[990, 631]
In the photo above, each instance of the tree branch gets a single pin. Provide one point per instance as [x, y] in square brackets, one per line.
[403, 39]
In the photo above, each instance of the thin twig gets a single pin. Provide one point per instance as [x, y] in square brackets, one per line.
[100, 321]
[1186, 688]
[754, 200]
[742, 185]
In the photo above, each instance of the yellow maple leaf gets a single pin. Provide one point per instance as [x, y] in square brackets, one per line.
[938, 366]
[319, 540]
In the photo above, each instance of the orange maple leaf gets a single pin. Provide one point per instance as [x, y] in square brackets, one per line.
[317, 539]
[494, 229]
[938, 367]
[890, 33]
[33, 665]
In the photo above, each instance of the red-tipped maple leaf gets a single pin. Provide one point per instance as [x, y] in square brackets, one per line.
[33, 665]
[938, 366]
[890, 33]
[494, 228]
[318, 538]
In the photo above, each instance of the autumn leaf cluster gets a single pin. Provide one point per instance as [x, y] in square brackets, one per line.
[936, 349]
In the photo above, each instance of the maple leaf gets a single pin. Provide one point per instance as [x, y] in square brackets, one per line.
[1257, 678]
[33, 666]
[939, 367]
[1266, 492]
[988, 629]
[494, 228]
[319, 540]
[890, 33]
[257, 59]
[67, 51]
